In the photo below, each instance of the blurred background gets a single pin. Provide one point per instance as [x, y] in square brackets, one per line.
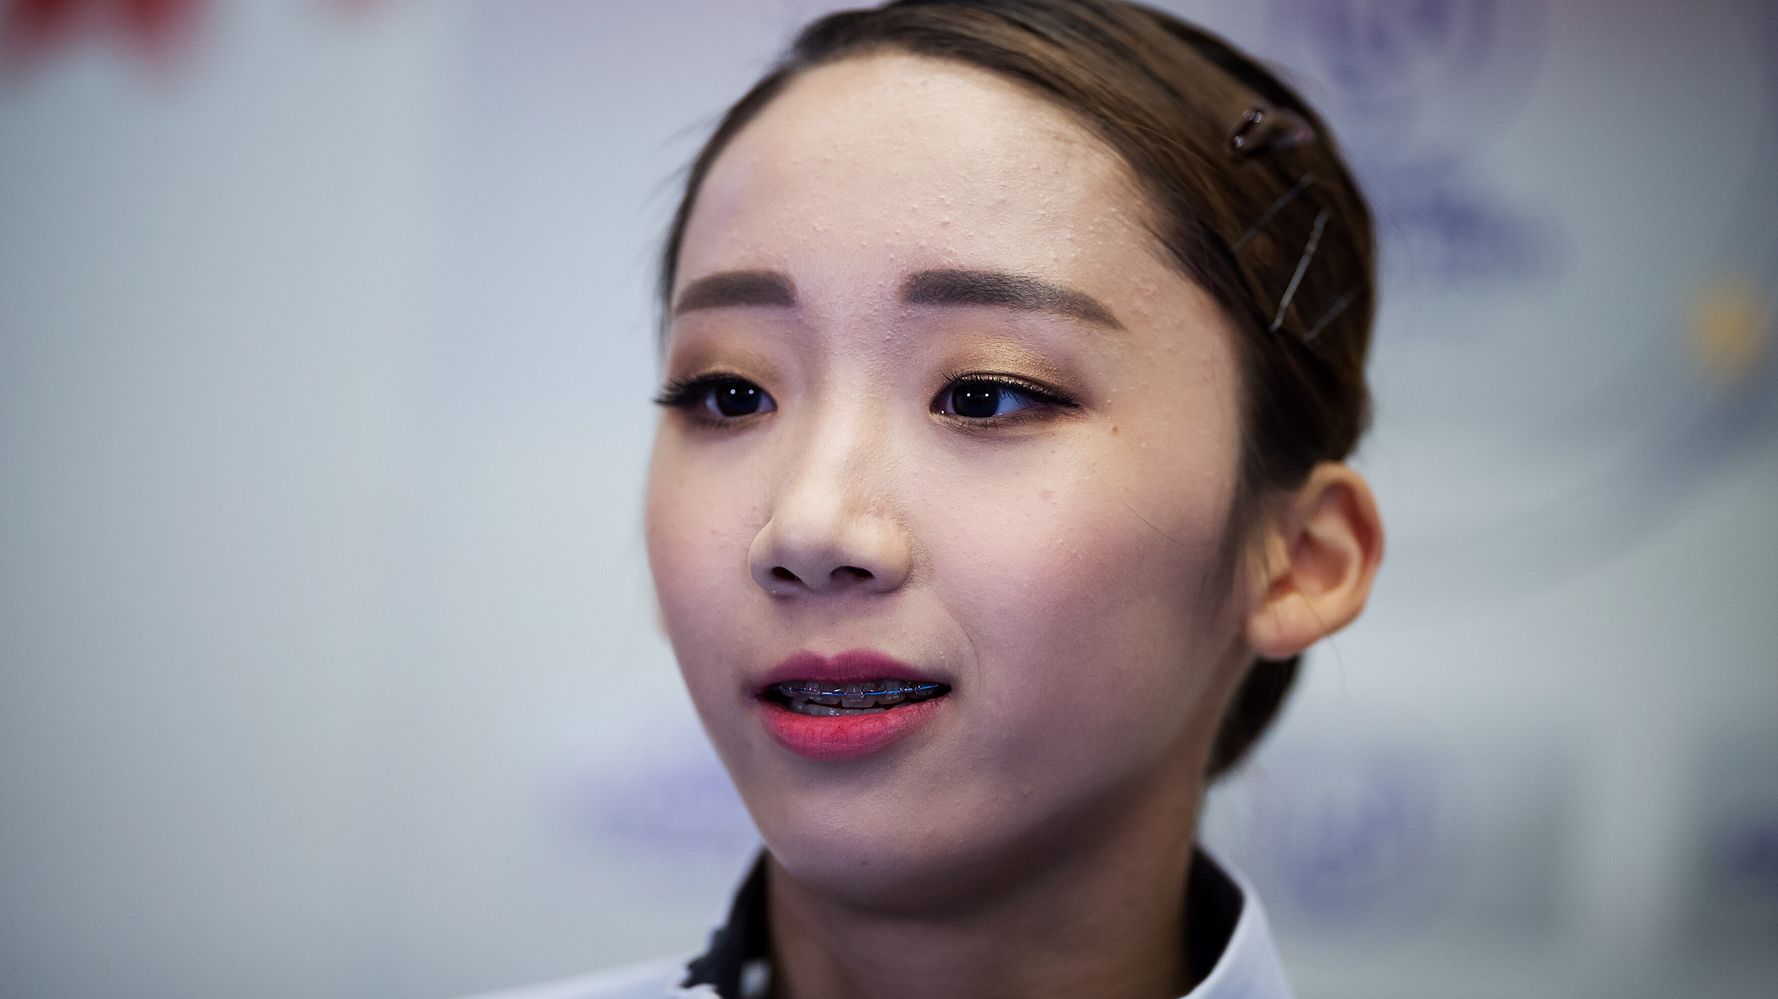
[327, 660]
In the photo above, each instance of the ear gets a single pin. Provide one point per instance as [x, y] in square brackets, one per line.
[1318, 556]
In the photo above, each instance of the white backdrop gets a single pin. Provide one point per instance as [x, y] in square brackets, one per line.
[325, 629]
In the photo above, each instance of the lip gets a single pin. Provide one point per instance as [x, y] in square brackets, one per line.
[846, 737]
[853, 666]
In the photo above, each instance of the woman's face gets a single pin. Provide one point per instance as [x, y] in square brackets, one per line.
[967, 418]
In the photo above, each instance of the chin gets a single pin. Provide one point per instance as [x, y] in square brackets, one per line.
[920, 854]
[875, 852]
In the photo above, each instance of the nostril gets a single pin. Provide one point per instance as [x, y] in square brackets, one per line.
[779, 572]
[853, 571]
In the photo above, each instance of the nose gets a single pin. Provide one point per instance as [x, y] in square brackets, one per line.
[832, 529]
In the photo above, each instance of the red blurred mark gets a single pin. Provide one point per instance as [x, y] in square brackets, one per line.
[32, 27]
[157, 31]
[157, 24]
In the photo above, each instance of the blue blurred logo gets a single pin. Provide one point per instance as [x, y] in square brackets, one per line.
[1353, 837]
[1415, 87]
[684, 807]
[1747, 855]
[1620, 413]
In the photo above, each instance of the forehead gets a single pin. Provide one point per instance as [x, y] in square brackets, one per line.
[888, 162]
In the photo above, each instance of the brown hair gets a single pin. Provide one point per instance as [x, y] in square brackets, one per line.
[1247, 193]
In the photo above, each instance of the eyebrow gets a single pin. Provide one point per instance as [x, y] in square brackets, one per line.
[732, 288]
[728, 289]
[1013, 291]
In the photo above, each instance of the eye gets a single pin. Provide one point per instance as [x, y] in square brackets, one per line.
[716, 398]
[995, 398]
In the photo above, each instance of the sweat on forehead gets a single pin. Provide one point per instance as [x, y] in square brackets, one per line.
[910, 161]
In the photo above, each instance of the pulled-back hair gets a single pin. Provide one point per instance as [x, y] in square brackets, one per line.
[1246, 191]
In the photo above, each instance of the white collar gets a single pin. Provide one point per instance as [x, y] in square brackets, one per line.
[1221, 902]
[1248, 967]
[1229, 934]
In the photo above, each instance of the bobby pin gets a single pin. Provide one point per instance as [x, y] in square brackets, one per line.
[1330, 315]
[1302, 184]
[1302, 265]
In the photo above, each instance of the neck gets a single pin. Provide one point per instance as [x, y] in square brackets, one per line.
[1104, 917]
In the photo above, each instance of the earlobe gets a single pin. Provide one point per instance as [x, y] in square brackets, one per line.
[1321, 555]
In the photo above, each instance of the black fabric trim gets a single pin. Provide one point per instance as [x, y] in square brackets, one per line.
[1213, 905]
[743, 937]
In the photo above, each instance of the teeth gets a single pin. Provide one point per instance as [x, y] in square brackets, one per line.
[804, 707]
[827, 699]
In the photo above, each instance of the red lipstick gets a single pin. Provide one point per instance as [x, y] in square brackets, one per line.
[896, 700]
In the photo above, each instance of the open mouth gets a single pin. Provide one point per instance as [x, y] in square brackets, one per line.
[828, 699]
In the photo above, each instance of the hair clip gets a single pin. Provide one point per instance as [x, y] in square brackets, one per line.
[1312, 244]
[1265, 129]
[1302, 185]
[1332, 313]
[1262, 130]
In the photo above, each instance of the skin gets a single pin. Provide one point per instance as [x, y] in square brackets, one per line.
[1062, 567]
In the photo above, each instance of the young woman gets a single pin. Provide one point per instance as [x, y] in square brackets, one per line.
[1012, 350]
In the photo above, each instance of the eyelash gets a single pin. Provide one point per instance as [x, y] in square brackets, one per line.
[1047, 399]
[689, 393]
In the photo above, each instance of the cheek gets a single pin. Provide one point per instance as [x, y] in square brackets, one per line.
[1087, 609]
[697, 554]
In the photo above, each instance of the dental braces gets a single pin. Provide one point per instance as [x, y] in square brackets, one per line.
[858, 695]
